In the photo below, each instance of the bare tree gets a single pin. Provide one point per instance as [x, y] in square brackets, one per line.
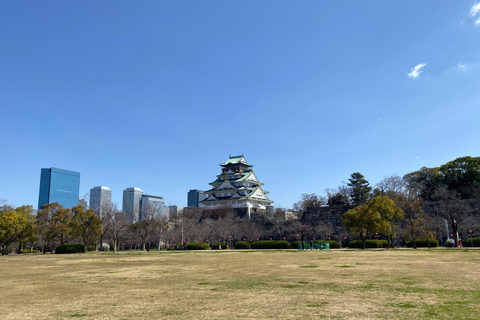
[104, 215]
[452, 208]
[117, 225]
[143, 229]
[277, 221]
[390, 186]
[411, 204]
[160, 225]
[249, 229]
[339, 196]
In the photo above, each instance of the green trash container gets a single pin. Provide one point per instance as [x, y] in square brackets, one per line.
[299, 246]
[327, 246]
[322, 246]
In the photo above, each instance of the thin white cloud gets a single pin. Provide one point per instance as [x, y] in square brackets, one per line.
[475, 9]
[415, 71]
[477, 22]
[462, 67]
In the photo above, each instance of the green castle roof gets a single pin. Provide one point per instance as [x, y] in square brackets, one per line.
[236, 160]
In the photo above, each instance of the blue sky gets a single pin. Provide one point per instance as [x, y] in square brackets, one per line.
[156, 94]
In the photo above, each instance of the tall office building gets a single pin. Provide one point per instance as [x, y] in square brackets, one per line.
[171, 210]
[194, 197]
[59, 185]
[82, 202]
[100, 199]
[131, 203]
[151, 207]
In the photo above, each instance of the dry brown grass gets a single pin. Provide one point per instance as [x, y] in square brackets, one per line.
[400, 284]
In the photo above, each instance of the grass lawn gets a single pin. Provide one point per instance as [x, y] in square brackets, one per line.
[291, 284]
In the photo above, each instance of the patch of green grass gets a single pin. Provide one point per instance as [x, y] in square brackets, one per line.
[174, 313]
[406, 305]
[243, 283]
[309, 266]
[345, 266]
[303, 282]
[319, 305]
[293, 286]
[78, 315]
[203, 283]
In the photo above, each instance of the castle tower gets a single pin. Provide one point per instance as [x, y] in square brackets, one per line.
[237, 187]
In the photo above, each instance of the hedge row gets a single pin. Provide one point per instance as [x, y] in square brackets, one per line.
[216, 245]
[69, 248]
[28, 251]
[468, 242]
[198, 246]
[368, 244]
[242, 245]
[270, 244]
[422, 243]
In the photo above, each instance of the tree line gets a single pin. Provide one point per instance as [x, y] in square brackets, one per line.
[394, 207]
[396, 204]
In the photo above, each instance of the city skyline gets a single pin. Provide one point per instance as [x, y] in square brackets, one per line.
[157, 94]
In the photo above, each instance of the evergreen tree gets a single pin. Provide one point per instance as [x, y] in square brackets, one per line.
[359, 188]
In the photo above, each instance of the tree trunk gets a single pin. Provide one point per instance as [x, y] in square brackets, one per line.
[455, 233]
[115, 246]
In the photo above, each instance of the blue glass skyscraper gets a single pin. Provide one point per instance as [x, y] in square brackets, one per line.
[59, 185]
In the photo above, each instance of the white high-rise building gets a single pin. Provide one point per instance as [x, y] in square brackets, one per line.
[100, 199]
[131, 203]
[151, 207]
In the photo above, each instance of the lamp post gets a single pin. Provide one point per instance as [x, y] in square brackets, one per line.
[230, 242]
[376, 234]
[471, 238]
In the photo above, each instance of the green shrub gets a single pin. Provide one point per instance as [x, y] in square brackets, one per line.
[295, 244]
[368, 244]
[28, 251]
[198, 246]
[217, 244]
[270, 244]
[242, 245]
[91, 248]
[449, 243]
[69, 248]
[422, 243]
[333, 244]
[468, 242]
